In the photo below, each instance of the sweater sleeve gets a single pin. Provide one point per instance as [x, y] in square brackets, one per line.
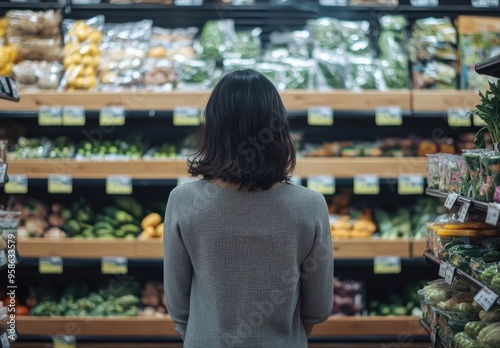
[177, 269]
[316, 287]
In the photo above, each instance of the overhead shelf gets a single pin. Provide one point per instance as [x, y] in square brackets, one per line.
[153, 249]
[437, 101]
[384, 167]
[143, 100]
[138, 326]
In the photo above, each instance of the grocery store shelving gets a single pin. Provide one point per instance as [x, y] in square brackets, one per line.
[436, 101]
[418, 247]
[473, 203]
[143, 327]
[439, 342]
[384, 167]
[153, 249]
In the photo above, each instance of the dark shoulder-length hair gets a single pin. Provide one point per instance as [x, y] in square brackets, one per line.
[245, 138]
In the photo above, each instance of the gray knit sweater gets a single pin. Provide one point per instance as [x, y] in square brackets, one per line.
[245, 269]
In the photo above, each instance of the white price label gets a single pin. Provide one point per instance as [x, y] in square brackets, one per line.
[187, 116]
[3, 171]
[388, 116]
[18, 184]
[450, 274]
[493, 214]
[50, 116]
[463, 211]
[112, 116]
[3, 258]
[4, 340]
[459, 118]
[320, 116]
[484, 3]
[333, 2]
[486, 298]
[451, 200]
[57, 183]
[442, 269]
[323, 184]
[411, 184]
[64, 342]
[119, 185]
[73, 116]
[366, 185]
[188, 2]
[424, 3]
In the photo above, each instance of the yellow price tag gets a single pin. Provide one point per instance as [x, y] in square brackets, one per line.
[64, 342]
[187, 116]
[389, 116]
[18, 184]
[119, 185]
[320, 116]
[387, 265]
[114, 265]
[73, 116]
[459, 118]
[50, 265]
[322, 184]
[366, 185]
[60, 184]
[112, 116]
[477, 121]
[50, 116]
[410, 185]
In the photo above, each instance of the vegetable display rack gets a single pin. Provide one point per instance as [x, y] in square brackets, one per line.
[437, 340]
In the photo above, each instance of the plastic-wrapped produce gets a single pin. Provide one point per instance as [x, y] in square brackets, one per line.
[366, 73]
[300, 74]
[128, 32]
[332, 66]
[331, 33]
[246, 45]
[159, 75]
[275, 72]
[434, 75]
[194, 73]
[216, 38]
[294, 44]
[236, 64]
[167, 43]
[38, 75]
[395, 72]
[121, 65]
[35, 35]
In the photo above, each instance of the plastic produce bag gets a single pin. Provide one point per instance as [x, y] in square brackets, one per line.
[159, 75]
[275, 72]
[216, 38]
[128, 32]
[395, 72]
[38, 75]
[246, 45]
[366, 74]
[332, 68]
[121, 65]
[82, 54]
[294, 44]
[194, 73]
[167, 43]
[300, 74]
[236, 64]
[434, 75]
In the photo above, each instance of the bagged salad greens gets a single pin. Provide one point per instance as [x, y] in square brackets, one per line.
[194, 73]
[216, 38]
[332, 69]
[275, 72]
[246, 45]
[366, 73]
[294, 44]
[300, 74]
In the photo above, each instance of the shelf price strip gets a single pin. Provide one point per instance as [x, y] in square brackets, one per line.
[119, 185]
[112, 116]
[486, 298]
[50, 116]
[459, 118]
[73, 116]
[57, 183]
[388, 116]
[424, 3]
[114, 265]
[18, 184]
[464, 211]
[50, 265]
[493, 214]
[451, 200]
[320, 116]
[387, 265]
[323, 184]
[484, 3]
[366, 185]
[64, 342]
[187, 116]
[410, 184]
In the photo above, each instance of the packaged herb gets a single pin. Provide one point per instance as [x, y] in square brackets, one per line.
[464, 176]
[300, 74]
[216, 38]
[434, 174]
[246, 45]
[473, 159]
[194, 73]
[444, 170]
[332, 68]
[396, 72]
[366, 73]
[454, 169]
[294, 44]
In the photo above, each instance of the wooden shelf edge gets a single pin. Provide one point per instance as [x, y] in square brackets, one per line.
[384, 167]
[293, 100]
[138, 326]
[153, 249]
[437, 101]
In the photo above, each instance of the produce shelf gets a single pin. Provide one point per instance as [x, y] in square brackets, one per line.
[440, 343]
[474, 204]
[418, 247]
[153, 249]
[137, 326]
[384, 167]
[424, 100]
[293, 100]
